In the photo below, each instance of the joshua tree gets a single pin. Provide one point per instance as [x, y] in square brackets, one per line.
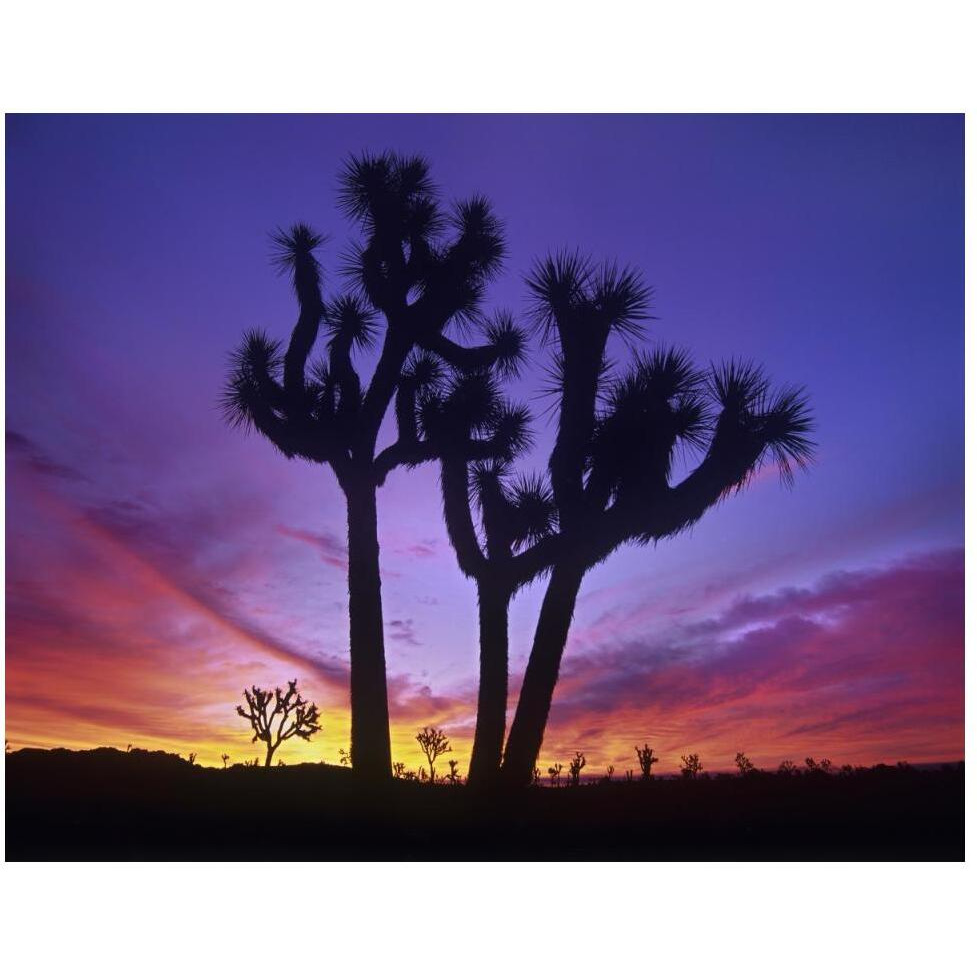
[398, 769]
[344, 757]
[517, 522]
[744, 764]
[276, 717]
[453, 776]
[817, 766]
[224, 758]
[192, 759]
[646, 759]
[537, 773]
[691, 766]
[611, 471]
[787, 768]
[420, 270]
[554, 773]
[610, 773]
[577, 764]
[434, 744]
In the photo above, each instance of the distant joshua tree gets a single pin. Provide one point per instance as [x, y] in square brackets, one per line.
[554, 773]
[276, 716]
[421, 270]
[629, 776]
[398, 769]
[787, 768]
[192, 759]
[610, 773]
[433, 743]
[577, 764]
[537, 773]
[345, 757]
[224, 758]
[817, 766]
[691, 766]
[646, 759]
[453, 777]
[744, 764]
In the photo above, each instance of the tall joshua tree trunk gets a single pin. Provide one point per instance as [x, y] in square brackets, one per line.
[542, 672]
[370, 740]
[493, 684]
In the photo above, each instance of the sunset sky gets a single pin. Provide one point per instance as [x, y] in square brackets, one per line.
[158, 562]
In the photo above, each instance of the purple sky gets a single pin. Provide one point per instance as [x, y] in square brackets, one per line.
[830, 248]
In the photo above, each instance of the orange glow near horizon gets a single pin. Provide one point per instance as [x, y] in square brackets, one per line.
[152, 665]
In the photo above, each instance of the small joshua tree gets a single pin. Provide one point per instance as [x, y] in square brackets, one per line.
[345, 758]
[817, 766]
[691, 766]
[577, 764]
[454, 777]
[277, 716]
[646, 759]
[744, 764]
[224, 758]
[192, 759]
[787, 768]
[554, 773]
[537, 773]
[434, 744]
[610, 773]
[629, 776]
[398, 769]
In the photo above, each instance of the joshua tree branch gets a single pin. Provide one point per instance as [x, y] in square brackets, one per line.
[461, 357]
[458, 517]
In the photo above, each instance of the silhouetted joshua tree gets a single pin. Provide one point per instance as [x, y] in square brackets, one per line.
[224, 758]
[744, 764]
[646, 759]
[433, 743]
[577, 764]
[612, 470]
[517, 522]
[554, 773]
[453, 777]
[276, 717]
[421, 270]
[691, 766]
[787, 768]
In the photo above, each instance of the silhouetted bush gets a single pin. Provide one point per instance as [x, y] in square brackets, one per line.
[646, 760]
[744, 764]
[787, 768]
[433, 743]
[577, 764]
